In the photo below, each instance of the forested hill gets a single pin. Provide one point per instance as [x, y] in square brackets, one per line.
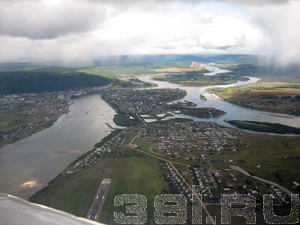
[41, 81]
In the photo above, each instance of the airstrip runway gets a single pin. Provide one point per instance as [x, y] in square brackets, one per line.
[95, 210]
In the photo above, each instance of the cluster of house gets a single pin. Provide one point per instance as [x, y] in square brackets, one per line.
[225, 182]
[213, 183]
[116, 141]
[94, 156]
[281, 195]
[86, 162]
[175, 148]
[170, 139]
[26, 127]
[166, 133]
[46, 102]
[205, 180]
[208, 183]
[176, 181]
[215, 136]
[132, 131]
[90, 159]
[141, 101]
[54, 104]
[177, 139]
[225, 179]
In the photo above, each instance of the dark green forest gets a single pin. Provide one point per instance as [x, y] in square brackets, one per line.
[41, 81]
[265, 127]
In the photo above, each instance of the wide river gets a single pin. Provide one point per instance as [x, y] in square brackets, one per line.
[41, 157]
[27, 165]
[234, 112]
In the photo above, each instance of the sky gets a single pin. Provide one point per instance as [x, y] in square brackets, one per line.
[76, 32]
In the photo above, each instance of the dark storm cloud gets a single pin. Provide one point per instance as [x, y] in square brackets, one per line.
[41, 20]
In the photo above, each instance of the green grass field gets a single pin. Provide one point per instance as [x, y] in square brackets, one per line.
[132, 173]
[143, 144]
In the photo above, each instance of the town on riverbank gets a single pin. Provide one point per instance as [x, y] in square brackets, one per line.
[170, 157]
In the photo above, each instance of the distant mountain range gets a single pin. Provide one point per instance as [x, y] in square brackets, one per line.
[221, 59]
[124, 59]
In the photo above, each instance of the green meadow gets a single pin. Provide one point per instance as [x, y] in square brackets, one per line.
[130, 172]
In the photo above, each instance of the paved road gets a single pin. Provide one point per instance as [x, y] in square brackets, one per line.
[237, 168]
[99, 200]
[138, 116]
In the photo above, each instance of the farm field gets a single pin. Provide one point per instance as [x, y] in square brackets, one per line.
[130, 172]
[266, 96]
